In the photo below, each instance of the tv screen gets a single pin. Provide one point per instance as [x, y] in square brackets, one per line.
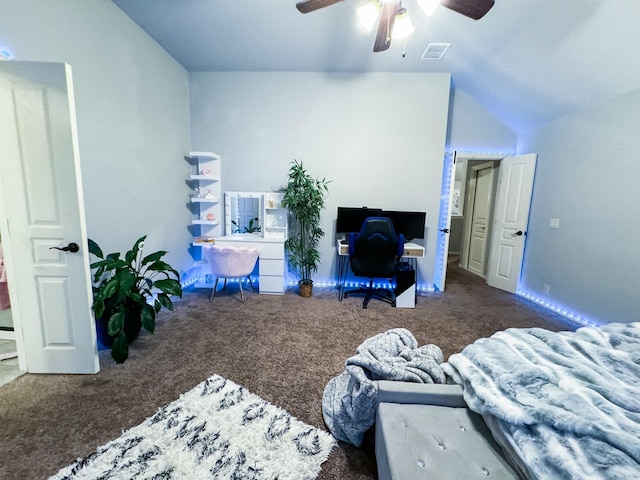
[410, 224]
[350, 219]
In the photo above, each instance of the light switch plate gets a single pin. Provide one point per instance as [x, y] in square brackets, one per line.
[554, 223]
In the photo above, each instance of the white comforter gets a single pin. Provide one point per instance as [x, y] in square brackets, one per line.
[568, 403]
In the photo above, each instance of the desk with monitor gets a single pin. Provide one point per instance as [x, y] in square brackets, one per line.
[410, 224]
[405, 277]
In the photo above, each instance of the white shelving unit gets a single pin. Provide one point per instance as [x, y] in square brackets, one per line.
[275, 217]
[205, 202]
[205, 222]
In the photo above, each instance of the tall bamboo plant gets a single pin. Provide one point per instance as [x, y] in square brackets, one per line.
[304, 198]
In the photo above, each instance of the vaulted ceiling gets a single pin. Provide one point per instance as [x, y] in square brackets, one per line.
[526, 61]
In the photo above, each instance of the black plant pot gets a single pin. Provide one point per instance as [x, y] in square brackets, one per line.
[132, 327]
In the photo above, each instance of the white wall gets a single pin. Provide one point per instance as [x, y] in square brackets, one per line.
[378, 137]
[472, 129]
[587, 176]
[133, 117]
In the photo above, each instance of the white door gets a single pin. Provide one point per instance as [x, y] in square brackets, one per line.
[511, 216]
[42, 203]
[480, 218]
[444, 223]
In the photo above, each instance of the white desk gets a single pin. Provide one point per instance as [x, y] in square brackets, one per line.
[411, 250]
[271, 262]
[405, 299]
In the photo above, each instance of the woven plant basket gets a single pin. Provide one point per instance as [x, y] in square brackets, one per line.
[306, 289]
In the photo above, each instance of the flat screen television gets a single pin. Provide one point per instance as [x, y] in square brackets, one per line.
[350, 219]
[410, 224]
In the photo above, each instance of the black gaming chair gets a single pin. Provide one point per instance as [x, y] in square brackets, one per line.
[375, 252]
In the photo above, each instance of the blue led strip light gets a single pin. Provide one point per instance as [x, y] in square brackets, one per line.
[425, 288]
[560, 310]
[194, 280]
[441, 244]
[355, 284]
[479, 152]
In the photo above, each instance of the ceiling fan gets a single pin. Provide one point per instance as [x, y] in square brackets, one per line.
[475, 9]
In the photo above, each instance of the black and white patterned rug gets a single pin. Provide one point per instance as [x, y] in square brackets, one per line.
[217, 430]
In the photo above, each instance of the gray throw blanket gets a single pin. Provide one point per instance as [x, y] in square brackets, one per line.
[568, 403]
[349, 401]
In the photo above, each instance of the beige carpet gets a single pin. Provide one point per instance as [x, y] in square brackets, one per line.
[282, 348]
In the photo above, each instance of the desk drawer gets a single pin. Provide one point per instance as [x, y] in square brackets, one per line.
[273, 285]
[272, 250]
[270, 266]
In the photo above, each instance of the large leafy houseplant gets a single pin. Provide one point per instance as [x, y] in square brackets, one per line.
[304, 198]
[128, 293]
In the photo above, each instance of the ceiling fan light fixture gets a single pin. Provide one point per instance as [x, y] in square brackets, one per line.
[428, 6]
[368, 14]
[403, 27]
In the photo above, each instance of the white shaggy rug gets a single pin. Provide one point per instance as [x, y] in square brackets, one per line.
[217, 430]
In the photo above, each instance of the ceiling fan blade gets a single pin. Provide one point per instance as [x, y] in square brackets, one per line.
[385, 26]
[475, 9]
[307, 6]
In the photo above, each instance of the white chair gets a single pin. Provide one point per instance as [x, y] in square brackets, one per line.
[228, 261]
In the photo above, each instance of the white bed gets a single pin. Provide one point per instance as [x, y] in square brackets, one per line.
[561, 404]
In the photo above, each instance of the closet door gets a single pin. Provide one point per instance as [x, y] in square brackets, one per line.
[480, 221]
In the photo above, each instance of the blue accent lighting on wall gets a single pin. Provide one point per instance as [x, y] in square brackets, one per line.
[355, 284]
[443, 216]
[479, 152]
[560, 310]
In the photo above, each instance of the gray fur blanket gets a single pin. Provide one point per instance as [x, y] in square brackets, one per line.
[568, 403]
[349, 400]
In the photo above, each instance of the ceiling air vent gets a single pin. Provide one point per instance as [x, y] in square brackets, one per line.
[435, 51]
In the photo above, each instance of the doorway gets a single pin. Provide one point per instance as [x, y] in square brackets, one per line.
[481, 182]
[9, 363]
[500, 248]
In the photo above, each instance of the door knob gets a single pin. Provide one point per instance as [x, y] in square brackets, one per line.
[72, 247]
[444, 230]
[519, 233]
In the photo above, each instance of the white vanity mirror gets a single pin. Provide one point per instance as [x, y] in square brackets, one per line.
[243, 213]
[269, 232]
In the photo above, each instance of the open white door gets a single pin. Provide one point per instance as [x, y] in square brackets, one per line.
[444, 222]
[510, 219]
[42, 203]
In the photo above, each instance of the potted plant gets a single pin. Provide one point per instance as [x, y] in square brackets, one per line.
[253, 227]
[127, 294]
[303, 197]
